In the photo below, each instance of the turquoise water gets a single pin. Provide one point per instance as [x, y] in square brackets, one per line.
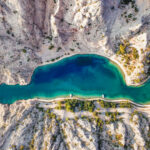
[81, 75]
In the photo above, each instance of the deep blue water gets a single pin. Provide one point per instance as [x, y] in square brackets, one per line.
[80, 75]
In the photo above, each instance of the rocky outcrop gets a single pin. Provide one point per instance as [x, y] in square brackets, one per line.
[36, 32]
[74, 124]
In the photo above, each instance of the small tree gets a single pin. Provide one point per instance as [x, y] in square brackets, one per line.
[122, 49]
[21, 147]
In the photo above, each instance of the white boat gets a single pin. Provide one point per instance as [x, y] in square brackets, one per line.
[103, 96]
[71, 95]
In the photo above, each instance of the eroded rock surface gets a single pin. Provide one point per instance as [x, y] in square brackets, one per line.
[72, 125]
[36, 32]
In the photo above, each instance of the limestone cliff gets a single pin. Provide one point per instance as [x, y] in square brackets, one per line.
[74, 125]
[35, 32]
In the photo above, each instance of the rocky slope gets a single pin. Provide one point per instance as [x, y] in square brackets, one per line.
[74, 124]
[36, 32]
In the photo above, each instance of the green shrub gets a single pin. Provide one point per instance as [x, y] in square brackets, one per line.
[51, 47]
[125, 105]
[24, 51]
[21, 147]
[135, 53]
[59, 105]
[121, 49]
[118, 137]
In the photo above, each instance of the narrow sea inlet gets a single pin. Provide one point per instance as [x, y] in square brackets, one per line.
[81, 75]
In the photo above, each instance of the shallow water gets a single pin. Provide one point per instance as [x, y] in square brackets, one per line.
[80, 75]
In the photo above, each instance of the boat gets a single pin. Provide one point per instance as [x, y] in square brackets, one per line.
[103, 96]
[71, 95]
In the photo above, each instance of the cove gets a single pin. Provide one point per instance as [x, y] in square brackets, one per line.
[81, 75]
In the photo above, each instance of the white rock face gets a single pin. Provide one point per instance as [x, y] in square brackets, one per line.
[35, 124]
[36, 32]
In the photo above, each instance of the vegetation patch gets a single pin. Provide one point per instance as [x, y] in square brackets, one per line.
[126, 2]
[129, 16]
[129, 56]
[51, 47]
[70, 105]
[24, 50]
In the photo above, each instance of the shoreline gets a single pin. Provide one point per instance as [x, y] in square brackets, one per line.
[125, 76]
[111, 59]
[85, 99]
